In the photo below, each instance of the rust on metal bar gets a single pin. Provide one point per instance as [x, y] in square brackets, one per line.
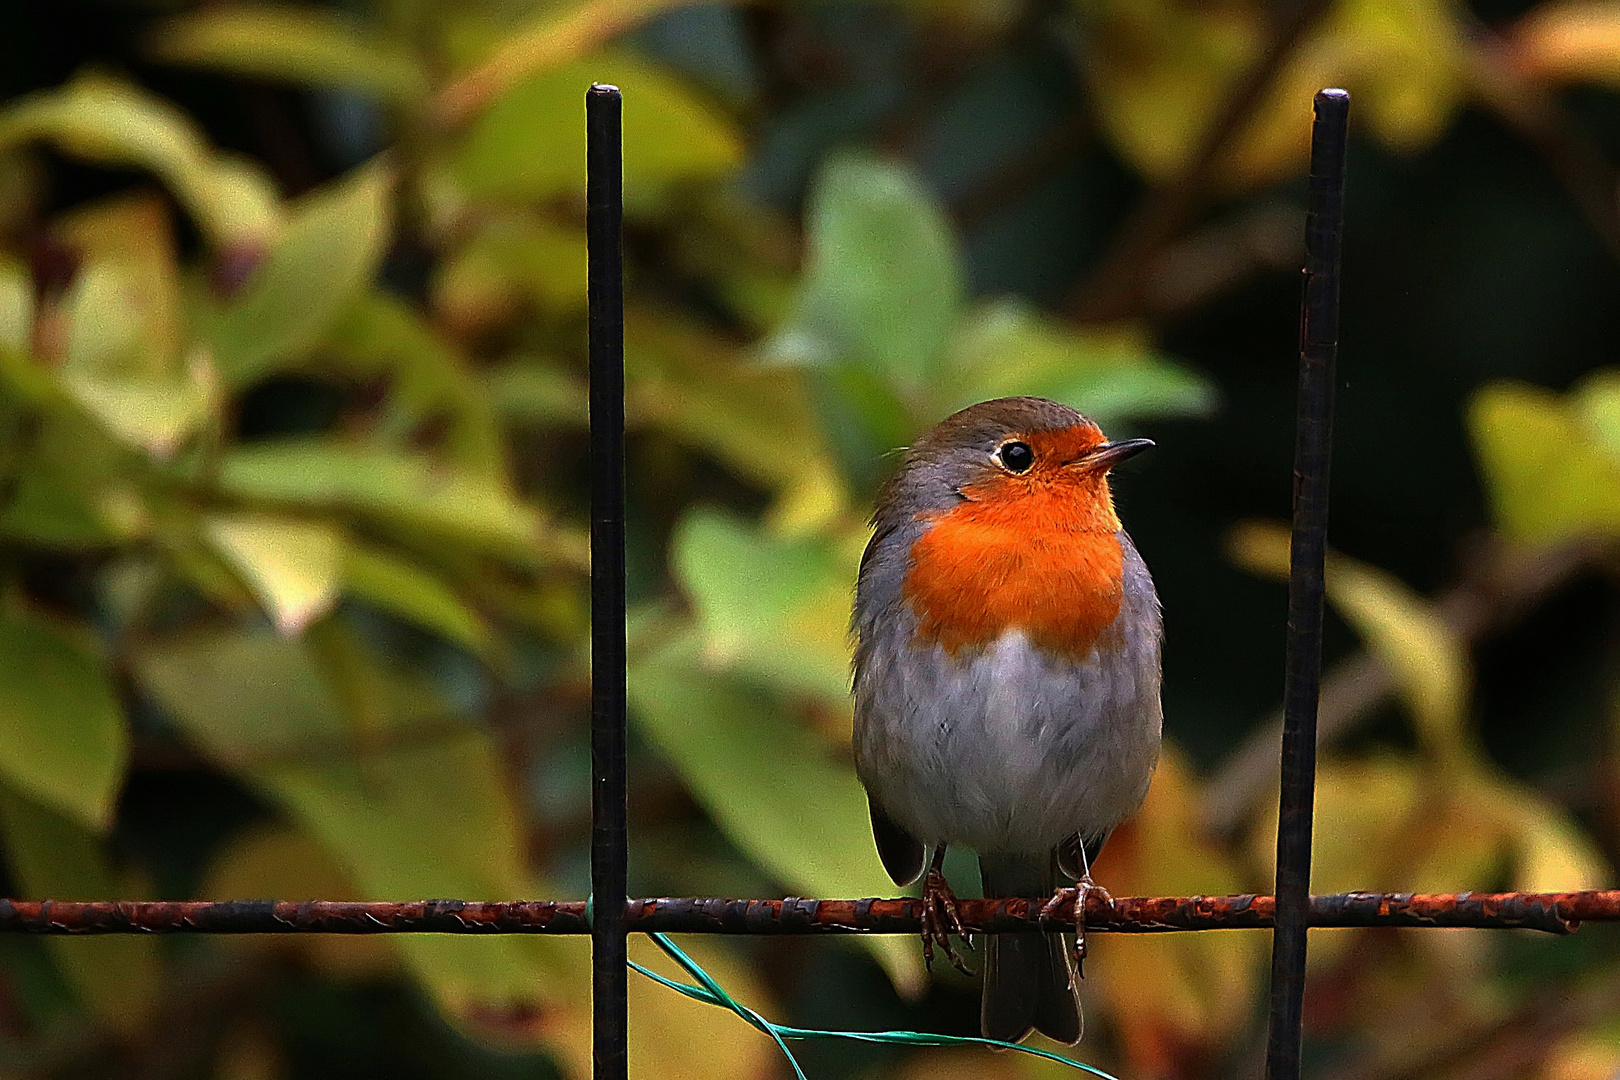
[1556, 913]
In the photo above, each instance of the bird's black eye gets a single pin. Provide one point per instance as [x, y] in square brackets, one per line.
[1016, 456]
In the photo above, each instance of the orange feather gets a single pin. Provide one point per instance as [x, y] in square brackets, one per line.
[1037, 552]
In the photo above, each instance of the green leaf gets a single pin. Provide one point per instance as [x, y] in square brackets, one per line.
[245, 696]
[111, 122]
[294, 567]
[16, 306]
[530, 143]
[865, 420]
[421, 817]
[730, 744]
[302, 45]
[533, 392]
[773, 610]
[44, 508]
[882, 281]
[379, 335]
[1007, 349]
[325, 257]
[514, 261]
[62, 734]
[1548, 473]
[116, 372]
[416, 595]
[755, 420]
[71, 490]
[54, 857]
[412, 491]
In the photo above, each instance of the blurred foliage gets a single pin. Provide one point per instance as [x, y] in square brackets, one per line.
[293, 587]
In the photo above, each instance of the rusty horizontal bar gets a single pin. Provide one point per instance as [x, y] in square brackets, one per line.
[1556, 913]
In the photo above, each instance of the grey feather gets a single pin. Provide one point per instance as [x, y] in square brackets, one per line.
[1029, 982]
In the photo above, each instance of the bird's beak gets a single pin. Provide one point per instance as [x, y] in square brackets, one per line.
[1109, 454]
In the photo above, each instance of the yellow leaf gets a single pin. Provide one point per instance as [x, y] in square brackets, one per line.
[126, 362]
[673, 1037]
[303, 45]
[530, 143]
[1552, 854]
[551, 38]
[1404, 62]
[1159, 67]
[1597, 402]
[1261, 547]
[16, 306]
[1583, 1055]
[249, 1049]
[1388, 824]
[294, 567]
[136, 396]
[1160, 71]
[431, 815]
[1170, 990]
[286, 865]
[1428, 662]
[1548, 474]
[135, 234]
[1570, 41]
[112, 122]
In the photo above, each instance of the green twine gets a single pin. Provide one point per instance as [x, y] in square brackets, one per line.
[711, 993]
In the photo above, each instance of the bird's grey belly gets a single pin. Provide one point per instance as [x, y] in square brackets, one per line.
[1007, 750]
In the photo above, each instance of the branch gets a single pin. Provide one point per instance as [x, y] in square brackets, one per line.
[1501, 586]
[1556, 913]
[1528, 106]
[545, 42]
[1113, 291]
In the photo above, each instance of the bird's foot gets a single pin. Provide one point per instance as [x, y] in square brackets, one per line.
[1076, 896]
[940, 920]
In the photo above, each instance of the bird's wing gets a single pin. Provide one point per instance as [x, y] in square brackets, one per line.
[902, 853]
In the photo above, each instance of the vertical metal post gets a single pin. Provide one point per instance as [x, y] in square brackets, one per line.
[604, 189]
[1313, 443]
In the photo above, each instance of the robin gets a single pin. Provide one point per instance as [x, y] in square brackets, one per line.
[1006, 681]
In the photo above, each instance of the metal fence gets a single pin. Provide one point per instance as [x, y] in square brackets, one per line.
[610, 916]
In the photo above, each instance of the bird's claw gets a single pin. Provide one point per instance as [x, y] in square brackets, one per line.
[1076, 896]
[939, 920]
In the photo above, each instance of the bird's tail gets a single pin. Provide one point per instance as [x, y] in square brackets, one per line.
[1029, 983]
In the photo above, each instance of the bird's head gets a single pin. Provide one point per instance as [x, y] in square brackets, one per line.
[1018, 527]
[1010, 451]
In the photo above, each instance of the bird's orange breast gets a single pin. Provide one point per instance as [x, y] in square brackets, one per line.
[1042, 558]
